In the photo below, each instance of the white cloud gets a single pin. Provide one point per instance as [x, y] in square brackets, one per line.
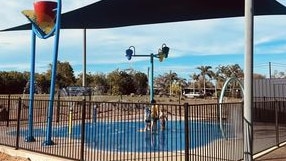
[15, 39]
[69, 5]
[40, 68]
[282, 2]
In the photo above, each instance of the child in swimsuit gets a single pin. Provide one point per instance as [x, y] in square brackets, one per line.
[147, 118]
[163, 118]
[154, 115]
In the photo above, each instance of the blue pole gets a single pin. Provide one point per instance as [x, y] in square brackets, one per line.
[48, 140]
[151, 77]
[30, 137]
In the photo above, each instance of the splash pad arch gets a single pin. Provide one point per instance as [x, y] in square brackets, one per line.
[228, 81]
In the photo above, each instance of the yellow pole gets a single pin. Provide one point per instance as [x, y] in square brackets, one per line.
[70, 123]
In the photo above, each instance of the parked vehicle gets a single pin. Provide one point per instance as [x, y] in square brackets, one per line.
[193, 95]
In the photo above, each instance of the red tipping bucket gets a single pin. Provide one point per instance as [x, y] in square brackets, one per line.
[45, 11]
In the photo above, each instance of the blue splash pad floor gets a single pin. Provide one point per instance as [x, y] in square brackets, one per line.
[130, 136]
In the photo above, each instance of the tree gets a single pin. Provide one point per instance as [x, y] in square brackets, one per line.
[258, 76]
[43, 82]
[160, 85]
[12, 82]
[100, 83]
[230, 71]
[223, 72]
[126, 83]
[205, 71]
[170, 79]
[218, 81]
[120, 82]
[113, 78]
[88, 79]
[177, 85]
[235, 71]
[164, 82]
[65, 75]
[140, 81]
[195, 77]
[278, 74]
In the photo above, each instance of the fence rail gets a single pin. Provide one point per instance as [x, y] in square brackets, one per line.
[109, 131]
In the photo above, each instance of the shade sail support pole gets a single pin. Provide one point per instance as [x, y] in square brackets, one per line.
[84, 59]
[152, 78]
[248, 81]
[48, 138]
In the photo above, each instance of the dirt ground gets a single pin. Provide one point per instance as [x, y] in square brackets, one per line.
[5, 157]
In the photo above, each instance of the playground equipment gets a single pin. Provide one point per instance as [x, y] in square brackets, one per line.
[37, 88]
[162, 53]
[45, 19]
[70, 93]
[228, 81]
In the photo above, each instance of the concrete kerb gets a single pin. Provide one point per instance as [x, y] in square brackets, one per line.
[33, 156]
[258, 155]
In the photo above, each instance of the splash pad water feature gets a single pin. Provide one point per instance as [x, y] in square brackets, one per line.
[69, 94]
[129, 136]
[45, 20]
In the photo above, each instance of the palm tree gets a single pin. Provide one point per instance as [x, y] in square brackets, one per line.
[223, 72]
[164, 82]
[230, 71]
[170, 78]
[218, 78]
[195, 77]
[205, 71]
[236, 71]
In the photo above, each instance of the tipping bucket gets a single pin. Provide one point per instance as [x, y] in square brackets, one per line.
[45, 11]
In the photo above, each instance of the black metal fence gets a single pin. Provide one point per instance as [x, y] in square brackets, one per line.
[269, 122]
[109, 131]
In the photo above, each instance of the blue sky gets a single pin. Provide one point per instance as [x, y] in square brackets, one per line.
[192, 44]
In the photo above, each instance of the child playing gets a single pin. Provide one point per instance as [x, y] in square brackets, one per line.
[154, 116]
[163, 118]
[147, 118]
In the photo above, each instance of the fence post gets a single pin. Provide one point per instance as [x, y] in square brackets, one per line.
[89, 104]
[82, 130]
[187, 140]
[277, 105]
[58, 108]
[18, 123]
[218, 110]
[9, 104]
